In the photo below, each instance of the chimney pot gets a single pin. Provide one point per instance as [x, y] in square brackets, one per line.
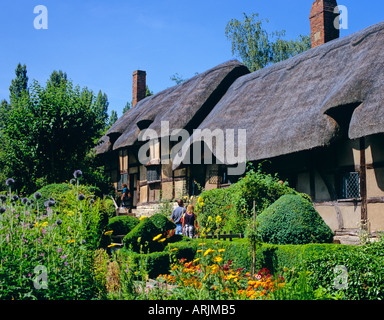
[322, 19]
[139, 86]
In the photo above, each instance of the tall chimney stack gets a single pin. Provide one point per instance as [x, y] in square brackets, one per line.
[139, 86]
[322, 19]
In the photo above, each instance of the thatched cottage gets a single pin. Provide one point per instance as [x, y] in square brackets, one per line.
[317, 117]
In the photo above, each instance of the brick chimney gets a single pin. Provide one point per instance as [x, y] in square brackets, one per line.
[139, 86]
[322, 19]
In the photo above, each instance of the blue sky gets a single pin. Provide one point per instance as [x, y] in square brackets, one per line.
[100, 43]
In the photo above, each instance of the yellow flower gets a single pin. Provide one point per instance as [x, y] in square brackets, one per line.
[112, 245]
[162, 240]
[216, 242]
[44, 224]
[201, 244]
[217, 259]
[142, 218]
[218, 219]
[200, 199]
[174, 249]
[108, 233]
[71, 241]
[157, 237]
[221, 250]
[196, 260]
[209, 219]
[208, 252]
[198, 251]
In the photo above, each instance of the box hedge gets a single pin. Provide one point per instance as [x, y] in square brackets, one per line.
[122, 224]
[140, 238]
[293, 220]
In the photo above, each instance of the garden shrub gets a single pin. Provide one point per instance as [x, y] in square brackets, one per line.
[235, 204]
[293, 220]
[162, 223]
[122, 224]
[364, 266]
[109, 207]
[140, 239]
[154, 263]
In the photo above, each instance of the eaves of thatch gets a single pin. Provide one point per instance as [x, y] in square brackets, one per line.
[309, 100]
[184, 106]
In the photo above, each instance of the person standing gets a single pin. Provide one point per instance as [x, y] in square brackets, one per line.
[189, 222]
[126, 197]
[177, 215]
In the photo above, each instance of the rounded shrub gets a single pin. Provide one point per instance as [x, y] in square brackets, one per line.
[292, 219]
[162, 222]
[140, 239]
[122, 224]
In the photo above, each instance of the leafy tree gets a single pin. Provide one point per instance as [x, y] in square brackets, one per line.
[19, 84]
[177, 78]
[148, 92]
[112, 119]
[101, 109]
[128, 105]
[57, 77]
[51, 131]
[256, 47]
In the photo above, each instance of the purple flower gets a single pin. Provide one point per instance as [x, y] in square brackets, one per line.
[37, 195]
[44, 231]
[64, 257]
[49, 203]
[2, 209]
[66, 263]
[3, 197]
[9, 182]
[77, 174]
[60, 250]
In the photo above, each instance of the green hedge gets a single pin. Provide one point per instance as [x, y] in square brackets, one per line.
[140, 238]
[122, 224]
[293, 220]
[364, 269]
[273, 257]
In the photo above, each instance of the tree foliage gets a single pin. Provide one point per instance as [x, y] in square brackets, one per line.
[256, 47]
[51, 130]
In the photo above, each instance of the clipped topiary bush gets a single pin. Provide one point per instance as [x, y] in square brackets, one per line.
[162, 223]
[140, 239]
[122, 224]
[293, 220]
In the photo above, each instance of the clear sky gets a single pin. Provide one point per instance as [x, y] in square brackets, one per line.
[99, 43]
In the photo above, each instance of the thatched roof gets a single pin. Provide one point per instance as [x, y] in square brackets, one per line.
[184, 106]
[289, 106]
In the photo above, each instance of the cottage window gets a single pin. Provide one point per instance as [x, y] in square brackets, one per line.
[350, 185]
[153, 173]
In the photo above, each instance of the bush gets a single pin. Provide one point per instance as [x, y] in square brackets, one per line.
[235, 204]
[140, 239]
[364, 272]
[162, 223]
[109, 207]
[293, 220]
[122, 224]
